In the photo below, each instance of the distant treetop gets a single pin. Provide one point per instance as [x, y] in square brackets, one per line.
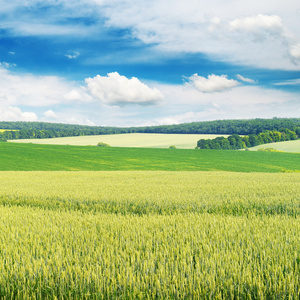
[27, 130]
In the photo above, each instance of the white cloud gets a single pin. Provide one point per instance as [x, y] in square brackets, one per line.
[295, 51]
[268, 27]
[28, 90]
[242, 78]
[212, 83]
[252, 33]
[289, 82]
[255, 24]
[50, 114]
[42, 28]
[186, 104]
[226, 31]
[74, 103]
[80, 120]
[12, 113]
[115, 89]
[72, 56]
[37, 91]
[7, 65]
[79, 93]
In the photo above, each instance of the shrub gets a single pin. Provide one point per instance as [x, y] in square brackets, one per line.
[269, 150]
[101, 144]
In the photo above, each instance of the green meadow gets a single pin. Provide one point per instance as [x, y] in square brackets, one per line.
[143, 140]
[288, 146]
[23, 157]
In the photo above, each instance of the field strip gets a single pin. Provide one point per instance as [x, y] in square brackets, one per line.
[154, 192]
[288, 146]
[145, 140]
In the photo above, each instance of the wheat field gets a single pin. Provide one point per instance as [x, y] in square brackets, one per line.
[149, 235]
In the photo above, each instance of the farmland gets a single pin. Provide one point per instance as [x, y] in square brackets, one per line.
[144, 140]
[31, 157]
[154, 192]
[147, 235]
[85, 222]
[289, 146]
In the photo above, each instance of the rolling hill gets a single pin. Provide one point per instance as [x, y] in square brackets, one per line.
[144, 140]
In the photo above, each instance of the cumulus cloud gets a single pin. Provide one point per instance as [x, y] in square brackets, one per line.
[50, 114]
[243, 101]
[79, 93]
[213, 83]
[264, 27]
[38, 91]
[295, 51]
[182, 103]
[255, 24]
[12, 113]
[115, 89]
[242, 78]
[43, 91]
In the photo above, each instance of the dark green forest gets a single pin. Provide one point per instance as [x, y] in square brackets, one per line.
[235, 141]
[40, 130]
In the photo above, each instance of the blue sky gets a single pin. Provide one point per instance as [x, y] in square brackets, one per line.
[148, 62]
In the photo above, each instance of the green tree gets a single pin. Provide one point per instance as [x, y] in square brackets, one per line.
[253, 140]
[101, 144]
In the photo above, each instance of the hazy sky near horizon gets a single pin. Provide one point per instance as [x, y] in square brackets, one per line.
[148, 62]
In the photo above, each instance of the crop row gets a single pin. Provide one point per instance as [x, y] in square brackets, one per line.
[145, 193]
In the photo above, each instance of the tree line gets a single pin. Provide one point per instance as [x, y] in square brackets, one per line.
[241, 127]
[235, 141]
[40, 130]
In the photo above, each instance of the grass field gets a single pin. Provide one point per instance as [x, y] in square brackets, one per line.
[144, 140]
[87, 222]
[22, 157]
[149, 235]
[288, 146]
